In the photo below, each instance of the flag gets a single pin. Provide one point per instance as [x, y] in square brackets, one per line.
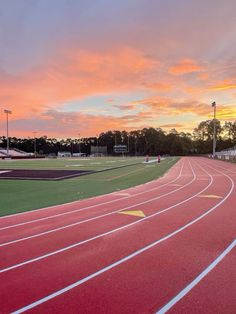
[213, 104]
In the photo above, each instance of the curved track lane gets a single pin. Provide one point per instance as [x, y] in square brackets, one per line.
[127, 264]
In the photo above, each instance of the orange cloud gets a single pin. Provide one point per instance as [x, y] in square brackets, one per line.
[203, 76]
[88, 124]
[76, 74]
[171, 107]
[172, 126]
[53, 121]
[224, 85]
[226, 112]
[72, 76]
[185, 66]
[160, 86]
[191, 90]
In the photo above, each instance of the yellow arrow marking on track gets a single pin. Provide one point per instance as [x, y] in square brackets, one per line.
[138, 213]
[210, 196]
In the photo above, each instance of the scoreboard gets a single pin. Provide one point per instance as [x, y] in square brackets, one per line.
[120, 149]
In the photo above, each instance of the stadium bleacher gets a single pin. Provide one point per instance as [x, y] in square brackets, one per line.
[2, 155]
[13, 152]
[227, 154]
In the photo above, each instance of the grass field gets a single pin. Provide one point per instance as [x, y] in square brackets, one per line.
[22, 195]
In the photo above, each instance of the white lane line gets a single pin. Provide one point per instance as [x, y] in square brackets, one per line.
[95, 205]
[230, 167]
[123, 260]
[203, 274]
[219, 170]
[78, 165]
[97, 217]
[227, 169]
[5, 171]
[100, 235]
[100, 196]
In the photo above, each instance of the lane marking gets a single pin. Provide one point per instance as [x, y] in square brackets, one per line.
[229, 169]
[95, 205]
[123, 194]
[123, 260]
[210, 196]
[97, 236]
[101, 216]
[74, 165]
[203, 274]
[5, 171]
[138, 213]
[150, 161]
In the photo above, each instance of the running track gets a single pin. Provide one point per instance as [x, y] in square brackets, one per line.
[87, 257]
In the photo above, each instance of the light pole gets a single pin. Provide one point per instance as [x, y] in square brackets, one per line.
[128, 144]
[97, 145]
[35, 150]
[135, 145]
[7, 112]
[214, 129]
[79, 142]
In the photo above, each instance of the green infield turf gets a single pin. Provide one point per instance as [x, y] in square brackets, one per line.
[23, 195]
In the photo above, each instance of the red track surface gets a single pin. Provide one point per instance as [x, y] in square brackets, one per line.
[86, 257]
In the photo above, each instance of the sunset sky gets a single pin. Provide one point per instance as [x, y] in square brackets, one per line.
[70, 67]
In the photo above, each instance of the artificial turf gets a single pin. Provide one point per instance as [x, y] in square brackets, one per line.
[18, 196]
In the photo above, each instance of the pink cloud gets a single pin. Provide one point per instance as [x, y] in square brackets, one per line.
[110, 100]
[74, 75]
[185, 66]
[160, 86]
[126, 107]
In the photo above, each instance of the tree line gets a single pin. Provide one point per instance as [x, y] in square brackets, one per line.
[152, 141]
